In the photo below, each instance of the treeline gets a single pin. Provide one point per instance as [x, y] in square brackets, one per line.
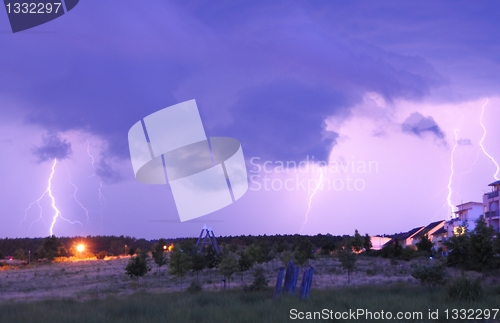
[239, 254]
[120, 245]
[113, 245]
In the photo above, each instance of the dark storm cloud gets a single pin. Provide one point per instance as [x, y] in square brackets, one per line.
[418, 125]
[106, 172]
[267, 79]
[286, 120]
[52, 147]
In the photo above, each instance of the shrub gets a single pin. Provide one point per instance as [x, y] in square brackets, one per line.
[408, 253]
[228, 266]
[20, 254]
[465, 289]
[102, 254]
[180, 263]
[392, 250]
[259, 280]
[430, 275]
[348, 261]
[194, 287]
[138, 265]
[425, 244]
[158, 253]
[304, 252]
[51, 247]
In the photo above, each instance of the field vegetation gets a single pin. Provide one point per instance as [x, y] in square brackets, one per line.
[121, 279]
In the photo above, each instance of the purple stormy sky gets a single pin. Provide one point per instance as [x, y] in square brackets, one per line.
[382, 98]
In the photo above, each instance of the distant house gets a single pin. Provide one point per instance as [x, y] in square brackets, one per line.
[430, 230]
[378, 242]
[439, 237]
[467, 213]
[490, 206]
[404, 238]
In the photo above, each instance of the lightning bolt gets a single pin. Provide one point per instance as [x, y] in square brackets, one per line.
[311, 197]
[102, 199]
[37, 201]
[482, 139]
[48, 192]
[75, 197]
[450, 191]
[481, 147]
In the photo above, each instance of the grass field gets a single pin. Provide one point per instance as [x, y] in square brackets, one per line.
[238, 306]
[99, 291]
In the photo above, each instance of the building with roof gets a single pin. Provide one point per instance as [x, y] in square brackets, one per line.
[404, 238]
[439, 237]
[407, 238]
[490, 206]
[379, 241]
[429, 230]
[466, 214]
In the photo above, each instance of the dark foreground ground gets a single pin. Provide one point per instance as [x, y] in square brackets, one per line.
[238, 306]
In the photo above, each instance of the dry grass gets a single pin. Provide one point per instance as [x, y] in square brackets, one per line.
[87, 279]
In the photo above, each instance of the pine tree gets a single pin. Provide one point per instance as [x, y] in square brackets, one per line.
[245, 262]
[304, 252]
[138, 265]
[260, 280]
[159, 255]
[481, 255]
[20, 254]
[198, 263]
[228, 266]
[180, 263]
[348, 261]
[458, 247]
[357, 242]
[51, 248]
[367, 243]
[425, 244]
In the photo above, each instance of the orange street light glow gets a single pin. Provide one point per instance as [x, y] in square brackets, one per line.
[80, 248]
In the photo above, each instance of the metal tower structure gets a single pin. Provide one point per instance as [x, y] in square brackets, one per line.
[207, 234]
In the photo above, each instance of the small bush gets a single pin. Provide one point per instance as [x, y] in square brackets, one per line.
[408, 253]
[194, 287]
[101, 255]
[465, 289]
[259, 280]
[21, 254]
[430, 275]
[137, 266]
